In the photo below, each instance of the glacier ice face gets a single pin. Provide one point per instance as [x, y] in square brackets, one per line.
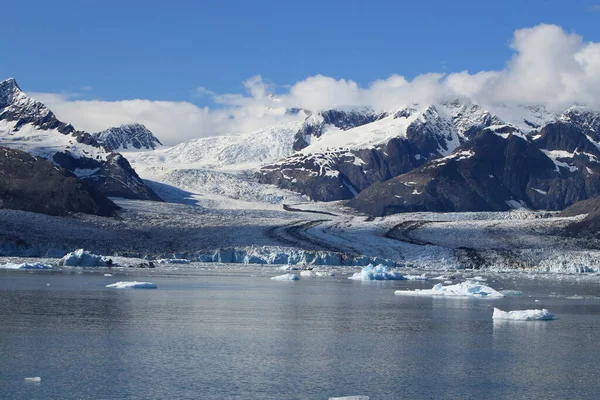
[468, 288]
[286, 277]
[82, 258]
[132, 285]
[26, 266]
[377, 273]
[523, 315]
[173, 261]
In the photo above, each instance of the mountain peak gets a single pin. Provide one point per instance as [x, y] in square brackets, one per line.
[9, 92]
[133, 136]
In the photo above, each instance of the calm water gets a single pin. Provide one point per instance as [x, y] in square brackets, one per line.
[232, 335]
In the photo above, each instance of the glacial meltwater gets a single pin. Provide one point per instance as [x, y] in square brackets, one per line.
[233, 333]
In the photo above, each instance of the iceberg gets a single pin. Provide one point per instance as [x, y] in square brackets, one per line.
[464, 289]
[378, 273]
[308, 273]
[82, 258]
[132, 285]
[523, 315]
[26, 266]
[33, 379]
[286, 277]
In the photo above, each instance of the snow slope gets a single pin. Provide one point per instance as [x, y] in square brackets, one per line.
[229, 152]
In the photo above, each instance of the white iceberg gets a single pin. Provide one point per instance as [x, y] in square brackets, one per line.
[286, 277]
[26, 266]
[309, 274]
[378, 273]
[82, 258]
[33, 379]
[463, 289]
[132, 285]
[523, 315]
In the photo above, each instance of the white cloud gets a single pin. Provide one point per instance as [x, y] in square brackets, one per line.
[549, 66]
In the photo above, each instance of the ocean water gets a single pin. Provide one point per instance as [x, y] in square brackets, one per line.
[236, 334]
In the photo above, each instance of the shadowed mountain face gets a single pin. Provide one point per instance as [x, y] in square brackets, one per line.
[34, 184]
[590, 225]
[496, 170]
[28, 125]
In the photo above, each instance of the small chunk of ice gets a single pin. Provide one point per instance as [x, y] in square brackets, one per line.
[286, 277]
[132, 285]
[523, 315]
[33, 379]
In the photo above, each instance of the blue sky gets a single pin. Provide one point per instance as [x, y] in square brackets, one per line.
[164, 50]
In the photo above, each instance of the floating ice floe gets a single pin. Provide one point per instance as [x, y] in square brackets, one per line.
[512, 293]
[308, 274]
[286, 277]
[26, 266]
[132, 285]
[463, 289]
[324, 273]
[378, 273]
[33, 379]
[523, 315]
[82, 258]
[350, 398]
[416, 277]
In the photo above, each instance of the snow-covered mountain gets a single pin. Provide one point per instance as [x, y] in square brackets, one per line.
[127, 137]
[28, 125]
[339, 163]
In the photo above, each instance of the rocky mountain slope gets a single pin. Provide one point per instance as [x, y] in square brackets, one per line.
[497, 170]
[33, 184]
[28, 125]
[127, 137]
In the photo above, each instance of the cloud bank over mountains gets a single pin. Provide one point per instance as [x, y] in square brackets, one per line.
[549, 66]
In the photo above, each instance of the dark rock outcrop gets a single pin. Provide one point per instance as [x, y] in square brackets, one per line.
[116, 178]
[31, 183]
